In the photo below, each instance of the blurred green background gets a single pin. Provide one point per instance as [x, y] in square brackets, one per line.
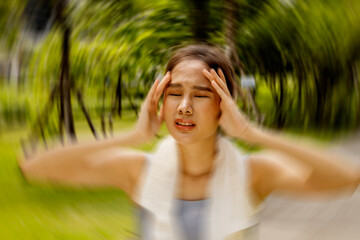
[79, 69]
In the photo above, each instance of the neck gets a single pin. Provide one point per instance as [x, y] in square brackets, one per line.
[197, 159]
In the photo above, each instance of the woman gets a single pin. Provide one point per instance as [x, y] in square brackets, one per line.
[196, 171]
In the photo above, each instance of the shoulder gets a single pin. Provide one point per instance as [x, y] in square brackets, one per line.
[275, 171]
[134, 167]
[119, 167]
[273, 163]
[265, 167]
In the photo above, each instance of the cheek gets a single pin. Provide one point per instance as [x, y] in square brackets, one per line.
[210, 109]
[168, 107]
[217, 107]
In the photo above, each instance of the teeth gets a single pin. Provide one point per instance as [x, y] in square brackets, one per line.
[184, 124]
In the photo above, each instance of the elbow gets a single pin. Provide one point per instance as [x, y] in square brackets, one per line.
[23, 167]
[26, 170]
[30, 169]
[354, 179]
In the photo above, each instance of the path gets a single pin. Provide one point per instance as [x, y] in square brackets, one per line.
[316, 219]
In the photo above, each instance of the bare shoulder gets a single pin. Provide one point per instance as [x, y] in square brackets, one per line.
[271, 171]
[123, 167]
[257, 164]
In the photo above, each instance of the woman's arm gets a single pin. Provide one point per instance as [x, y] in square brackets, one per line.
[100, 163]
[321, 171]
[295, 167]
[103, 163]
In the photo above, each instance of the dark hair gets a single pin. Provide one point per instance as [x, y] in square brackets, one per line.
[211, 56]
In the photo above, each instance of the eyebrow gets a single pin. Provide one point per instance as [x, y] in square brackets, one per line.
[201, 88]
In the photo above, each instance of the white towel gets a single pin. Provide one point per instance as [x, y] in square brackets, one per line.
[231, 209]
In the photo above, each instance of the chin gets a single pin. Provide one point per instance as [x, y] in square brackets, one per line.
[189, 138]
[184, 138]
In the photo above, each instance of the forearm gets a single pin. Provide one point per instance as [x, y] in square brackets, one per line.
[327, 170]
[69, 161]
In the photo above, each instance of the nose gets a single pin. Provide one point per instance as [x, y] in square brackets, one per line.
[185, 107]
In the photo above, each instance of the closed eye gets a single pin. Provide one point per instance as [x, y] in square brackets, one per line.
[201, 96]
[174, 94]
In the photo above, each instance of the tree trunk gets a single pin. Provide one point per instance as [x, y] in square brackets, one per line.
[280, 108]
[117, 102]
[355, 78]
[199, 15]
[299, 76]
[87, 115]
[61, 115]
[65, 83]
[66, 116]
[103, 124]
[231, 31]
[277, 89]
[133, 106]
[42, 132]
[321, 92]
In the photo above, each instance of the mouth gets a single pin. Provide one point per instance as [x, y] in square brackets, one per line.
[184, 124]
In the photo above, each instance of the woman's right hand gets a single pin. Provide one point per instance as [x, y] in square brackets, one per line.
[150, 120]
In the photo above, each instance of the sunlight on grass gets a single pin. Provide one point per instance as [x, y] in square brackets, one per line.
[47, 212]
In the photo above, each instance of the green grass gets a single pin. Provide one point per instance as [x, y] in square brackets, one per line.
[33, 211]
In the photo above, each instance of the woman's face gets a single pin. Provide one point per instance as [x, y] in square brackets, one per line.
[191, 104]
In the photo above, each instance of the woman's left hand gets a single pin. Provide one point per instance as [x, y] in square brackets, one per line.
[232, 120]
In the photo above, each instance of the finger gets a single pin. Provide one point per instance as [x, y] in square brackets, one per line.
[148, 100]
[164, 79]
[220, 82]
[208, 75]
[152, 89]
[214, 77]
[221, 74]
[218, 89]
[160, 89]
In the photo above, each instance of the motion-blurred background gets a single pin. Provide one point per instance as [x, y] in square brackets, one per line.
[74, 69]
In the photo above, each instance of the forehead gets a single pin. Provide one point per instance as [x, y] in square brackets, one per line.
[189, 72]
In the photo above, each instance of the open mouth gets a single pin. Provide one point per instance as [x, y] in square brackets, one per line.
[184, 124]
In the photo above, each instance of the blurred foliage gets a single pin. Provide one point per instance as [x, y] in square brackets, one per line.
[306, 53]
[303, 54]
[10, 22]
